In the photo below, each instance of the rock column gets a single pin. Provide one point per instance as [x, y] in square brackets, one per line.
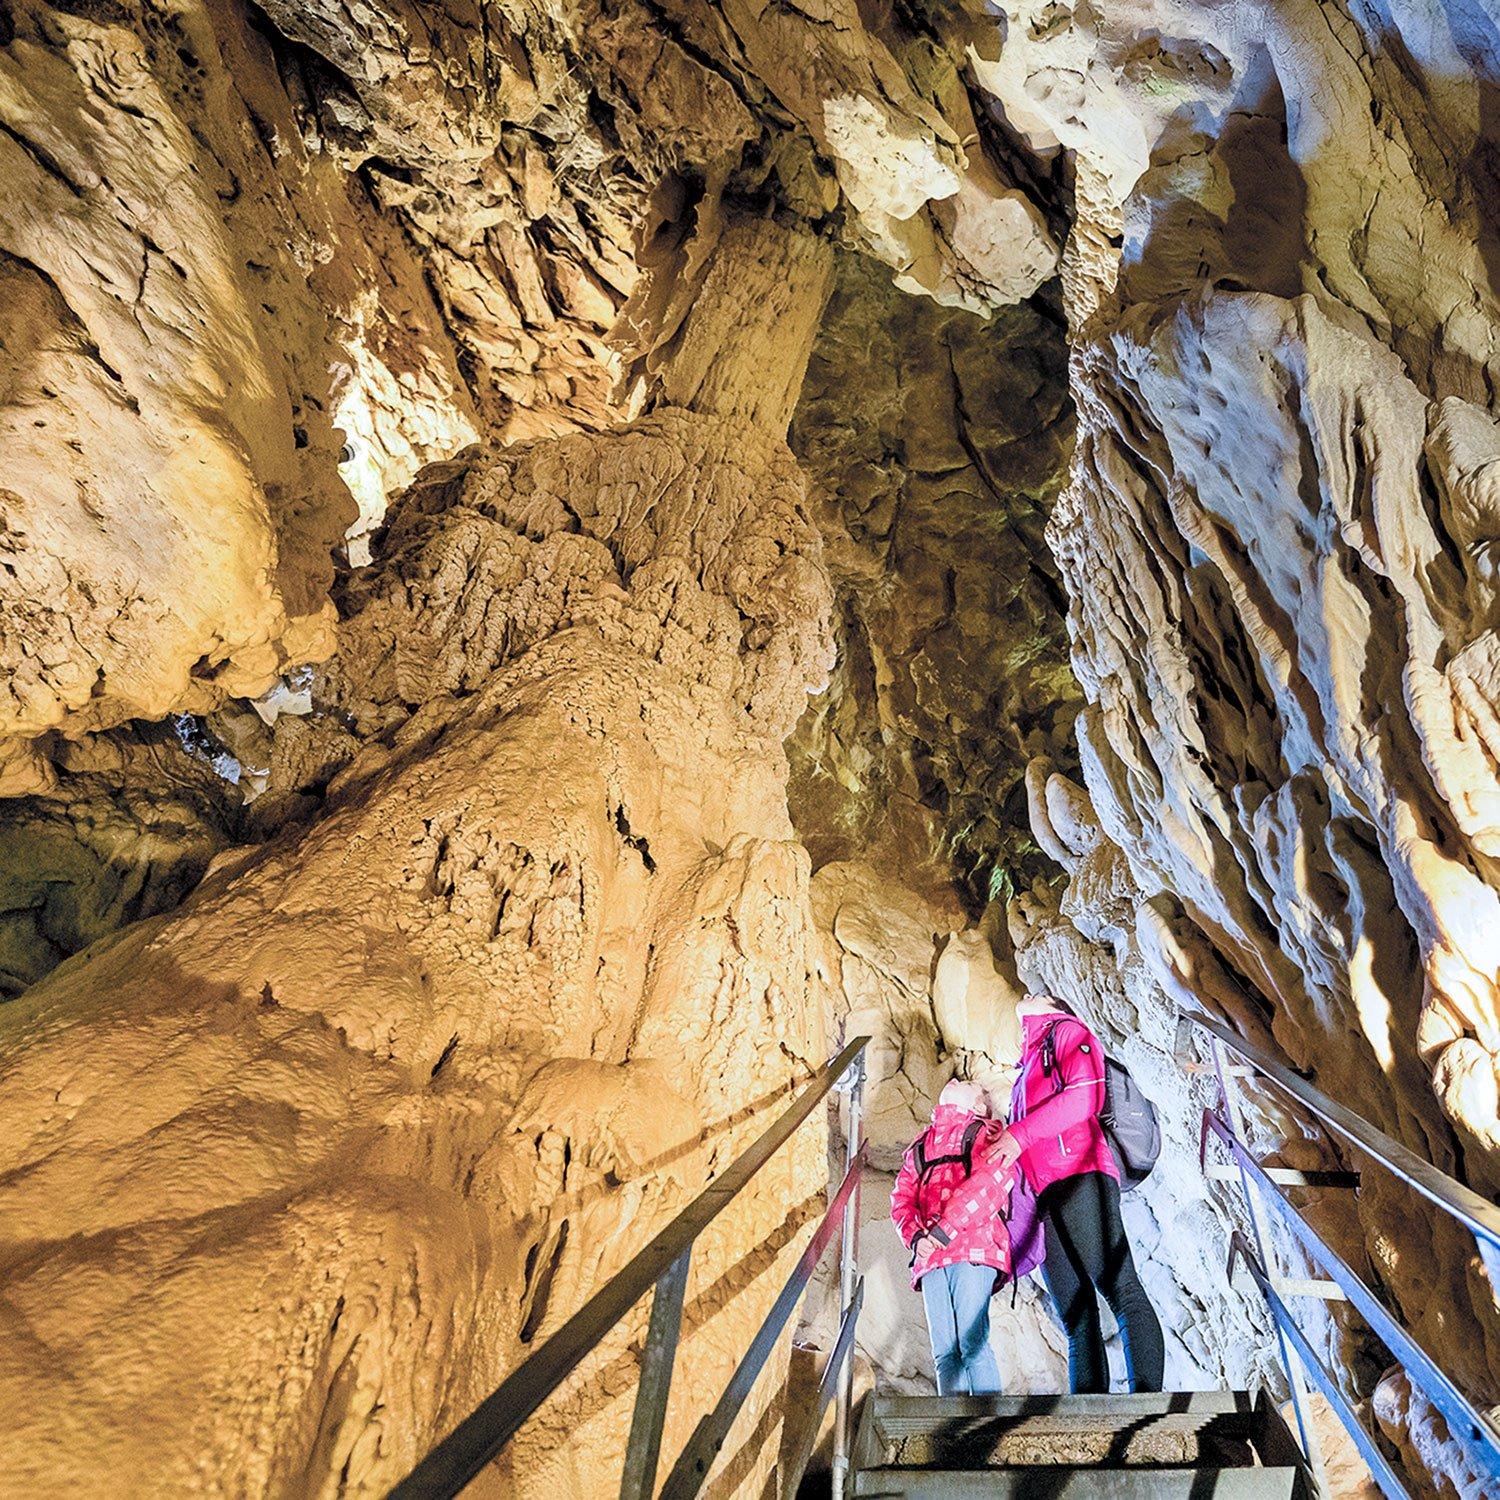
[291, 1178]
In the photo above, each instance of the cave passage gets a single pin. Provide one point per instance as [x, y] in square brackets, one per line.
[560, 562]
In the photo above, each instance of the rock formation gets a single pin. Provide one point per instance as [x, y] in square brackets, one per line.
[382, 1103]
[195, 299]
[130, 829]
[938, 441]
[194, 374]
[399, 535]
[1275, 540]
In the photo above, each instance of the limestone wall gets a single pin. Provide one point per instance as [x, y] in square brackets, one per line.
[295, 1175]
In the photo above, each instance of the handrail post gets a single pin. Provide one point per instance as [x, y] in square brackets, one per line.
[643, 1451]
[848, 1275]
[1259, 1221]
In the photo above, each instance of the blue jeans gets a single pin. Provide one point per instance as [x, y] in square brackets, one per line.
[957, 1300]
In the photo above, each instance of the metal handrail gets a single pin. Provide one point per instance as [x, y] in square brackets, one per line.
[1380, 1466]
[1463, 1418]
[1477, 1214]
[830, 1379]
[1468, 1424]
[692, 1465]
[460, 1456]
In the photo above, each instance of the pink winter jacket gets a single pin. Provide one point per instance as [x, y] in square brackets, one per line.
[963, 1214]
[1055, 1119]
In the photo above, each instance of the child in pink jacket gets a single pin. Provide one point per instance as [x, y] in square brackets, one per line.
[948, 1206]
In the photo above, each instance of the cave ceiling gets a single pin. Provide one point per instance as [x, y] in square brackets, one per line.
[264, 262]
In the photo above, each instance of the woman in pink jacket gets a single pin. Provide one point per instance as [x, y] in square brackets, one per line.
[1056, 1136]
[948, 1206]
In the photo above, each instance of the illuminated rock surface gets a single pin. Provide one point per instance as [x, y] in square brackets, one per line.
[1120, 616]
[386, 1098]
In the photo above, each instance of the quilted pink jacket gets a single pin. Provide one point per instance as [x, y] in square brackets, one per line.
[964, 1214]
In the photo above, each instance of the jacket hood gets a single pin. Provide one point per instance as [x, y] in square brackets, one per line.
[1034, 1027]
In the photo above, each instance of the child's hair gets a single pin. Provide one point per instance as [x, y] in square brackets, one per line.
[963, 1093]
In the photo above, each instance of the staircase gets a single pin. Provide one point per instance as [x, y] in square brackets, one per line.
[1192, 1444]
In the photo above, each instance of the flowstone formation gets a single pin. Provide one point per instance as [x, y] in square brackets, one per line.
[505, 917]
[481, 991]
[355, 1129]
[256, 276]
[195, 297]
[1277, 543]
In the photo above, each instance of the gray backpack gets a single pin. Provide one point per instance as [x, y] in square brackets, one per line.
[1128, 1117]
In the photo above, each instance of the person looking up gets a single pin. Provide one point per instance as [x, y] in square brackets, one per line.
[948, 1205]
[1056, 1137]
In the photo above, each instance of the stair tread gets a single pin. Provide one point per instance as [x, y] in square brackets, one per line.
[1053, 1450]
[1135, 1403]
[1167, 1433]
[1175, 1429]
[1029, 1483]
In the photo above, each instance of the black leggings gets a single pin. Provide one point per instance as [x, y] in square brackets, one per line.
[1087, 1252]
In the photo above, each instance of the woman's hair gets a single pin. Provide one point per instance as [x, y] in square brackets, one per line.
[1056, 1000]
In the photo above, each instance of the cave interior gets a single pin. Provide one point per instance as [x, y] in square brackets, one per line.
[559, 561]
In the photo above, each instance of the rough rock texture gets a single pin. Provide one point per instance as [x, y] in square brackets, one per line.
[193, 299]
[939, 441]
[347, 1135]
[258, 265]
[130, 832]
[529, 151]
[1277, 542]
[222, 348]
[200, 295]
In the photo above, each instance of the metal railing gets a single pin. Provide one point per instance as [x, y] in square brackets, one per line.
[663, 1264]
[1263, 1189]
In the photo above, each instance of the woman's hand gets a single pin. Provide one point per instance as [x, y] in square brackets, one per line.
[922, 1247]
[1007, 1150]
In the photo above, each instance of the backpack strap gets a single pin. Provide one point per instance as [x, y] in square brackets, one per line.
[1049, 1053]
[925, 1163]
[971, 1134]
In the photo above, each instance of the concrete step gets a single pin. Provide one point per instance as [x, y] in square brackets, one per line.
[1184, 1430]
[1116, 1447]
[1078, 1484]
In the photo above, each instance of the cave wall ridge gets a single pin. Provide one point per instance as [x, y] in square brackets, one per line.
[1276, 543]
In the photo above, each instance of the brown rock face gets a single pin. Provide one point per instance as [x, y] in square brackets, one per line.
[130, 830]
[221, 248]
[385, 1101]
[293, 1169]
[939, 441]
[192, 300]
